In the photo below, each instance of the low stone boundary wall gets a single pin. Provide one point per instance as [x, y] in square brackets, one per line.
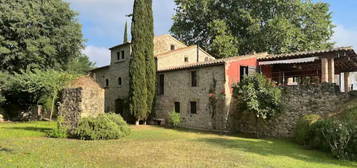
[324, 100]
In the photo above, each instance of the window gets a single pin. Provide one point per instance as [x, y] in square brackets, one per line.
[186, 59]
[243, 72]
[161, 84]
[193, 106]
[173, 47]
[107, 83]
[122, 54]
[118, 55]
[177, 107]
[119, 81]
[194, 79]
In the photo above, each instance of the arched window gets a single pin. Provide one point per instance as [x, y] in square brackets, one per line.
[119, 81]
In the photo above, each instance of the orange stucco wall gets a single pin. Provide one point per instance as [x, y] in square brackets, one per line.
[233, 69]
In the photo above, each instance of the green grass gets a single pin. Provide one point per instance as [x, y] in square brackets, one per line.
[25, 145]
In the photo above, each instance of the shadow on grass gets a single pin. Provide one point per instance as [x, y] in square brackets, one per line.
[277, 148]
[35, 129]
[7, 150]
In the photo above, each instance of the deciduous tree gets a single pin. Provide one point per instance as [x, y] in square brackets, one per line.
[38, 34]
[276, 26]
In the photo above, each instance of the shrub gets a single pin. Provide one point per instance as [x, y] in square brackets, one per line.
[303, 127]
[316, 138]
[174, 119]
[337, 135]
[60, 131]
[104, 127]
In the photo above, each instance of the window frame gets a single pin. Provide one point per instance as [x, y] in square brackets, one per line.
[193, 107]
[107, 83]
[194, 79]
[122, 54]
[172, 47]
[177, 107]
[161, 89]
[120, 81]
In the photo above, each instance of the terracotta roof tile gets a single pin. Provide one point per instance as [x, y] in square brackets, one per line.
[305, 53]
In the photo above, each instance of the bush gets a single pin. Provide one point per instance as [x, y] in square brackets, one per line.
[303, 127]
[316, 138]
[335, 136]
[104, 127]
[338, 135]
[174, 119]
[60, 131]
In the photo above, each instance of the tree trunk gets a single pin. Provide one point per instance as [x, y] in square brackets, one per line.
[144, 123]
[137, 122]
[54, 96]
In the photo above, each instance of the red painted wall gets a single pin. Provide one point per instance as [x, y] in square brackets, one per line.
[233, 69]
[267, 71]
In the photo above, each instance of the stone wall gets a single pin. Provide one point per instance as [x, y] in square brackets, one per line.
[178, 89]
[324, 100]
[82, 98]
[177, 58]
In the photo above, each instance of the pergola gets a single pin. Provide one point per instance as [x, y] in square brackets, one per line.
[310, 67]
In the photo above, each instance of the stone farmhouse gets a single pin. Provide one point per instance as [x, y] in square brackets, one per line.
[199, 87]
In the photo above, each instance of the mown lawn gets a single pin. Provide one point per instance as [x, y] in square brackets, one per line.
[25, 145]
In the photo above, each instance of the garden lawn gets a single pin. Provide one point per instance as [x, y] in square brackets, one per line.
[25, 145]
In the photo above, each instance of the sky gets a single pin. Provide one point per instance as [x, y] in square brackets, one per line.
[103, 23]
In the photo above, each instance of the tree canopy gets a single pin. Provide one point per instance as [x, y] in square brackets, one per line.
[80, 65]
[275, 26]
[38, 34]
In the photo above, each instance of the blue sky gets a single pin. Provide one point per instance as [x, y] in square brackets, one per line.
[103, 23]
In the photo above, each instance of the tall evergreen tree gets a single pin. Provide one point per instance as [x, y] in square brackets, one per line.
[149, 53]
[126, 33]
[137, 69]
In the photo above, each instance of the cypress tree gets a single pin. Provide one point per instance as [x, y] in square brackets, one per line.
[150, 61]
[126, 33]
[137, 68]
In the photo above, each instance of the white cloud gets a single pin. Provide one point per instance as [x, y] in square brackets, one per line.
[345, 37]
[99, 55]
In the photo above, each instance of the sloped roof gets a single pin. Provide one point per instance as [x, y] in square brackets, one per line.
[307, 53]
[212, 63]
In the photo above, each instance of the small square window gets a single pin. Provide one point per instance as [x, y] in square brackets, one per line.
[193, 107]
[177, 107]
[186, 59]
[173, 47]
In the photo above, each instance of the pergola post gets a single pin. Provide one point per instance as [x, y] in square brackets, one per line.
[331, 70]
[347, 81]
[324, 70]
